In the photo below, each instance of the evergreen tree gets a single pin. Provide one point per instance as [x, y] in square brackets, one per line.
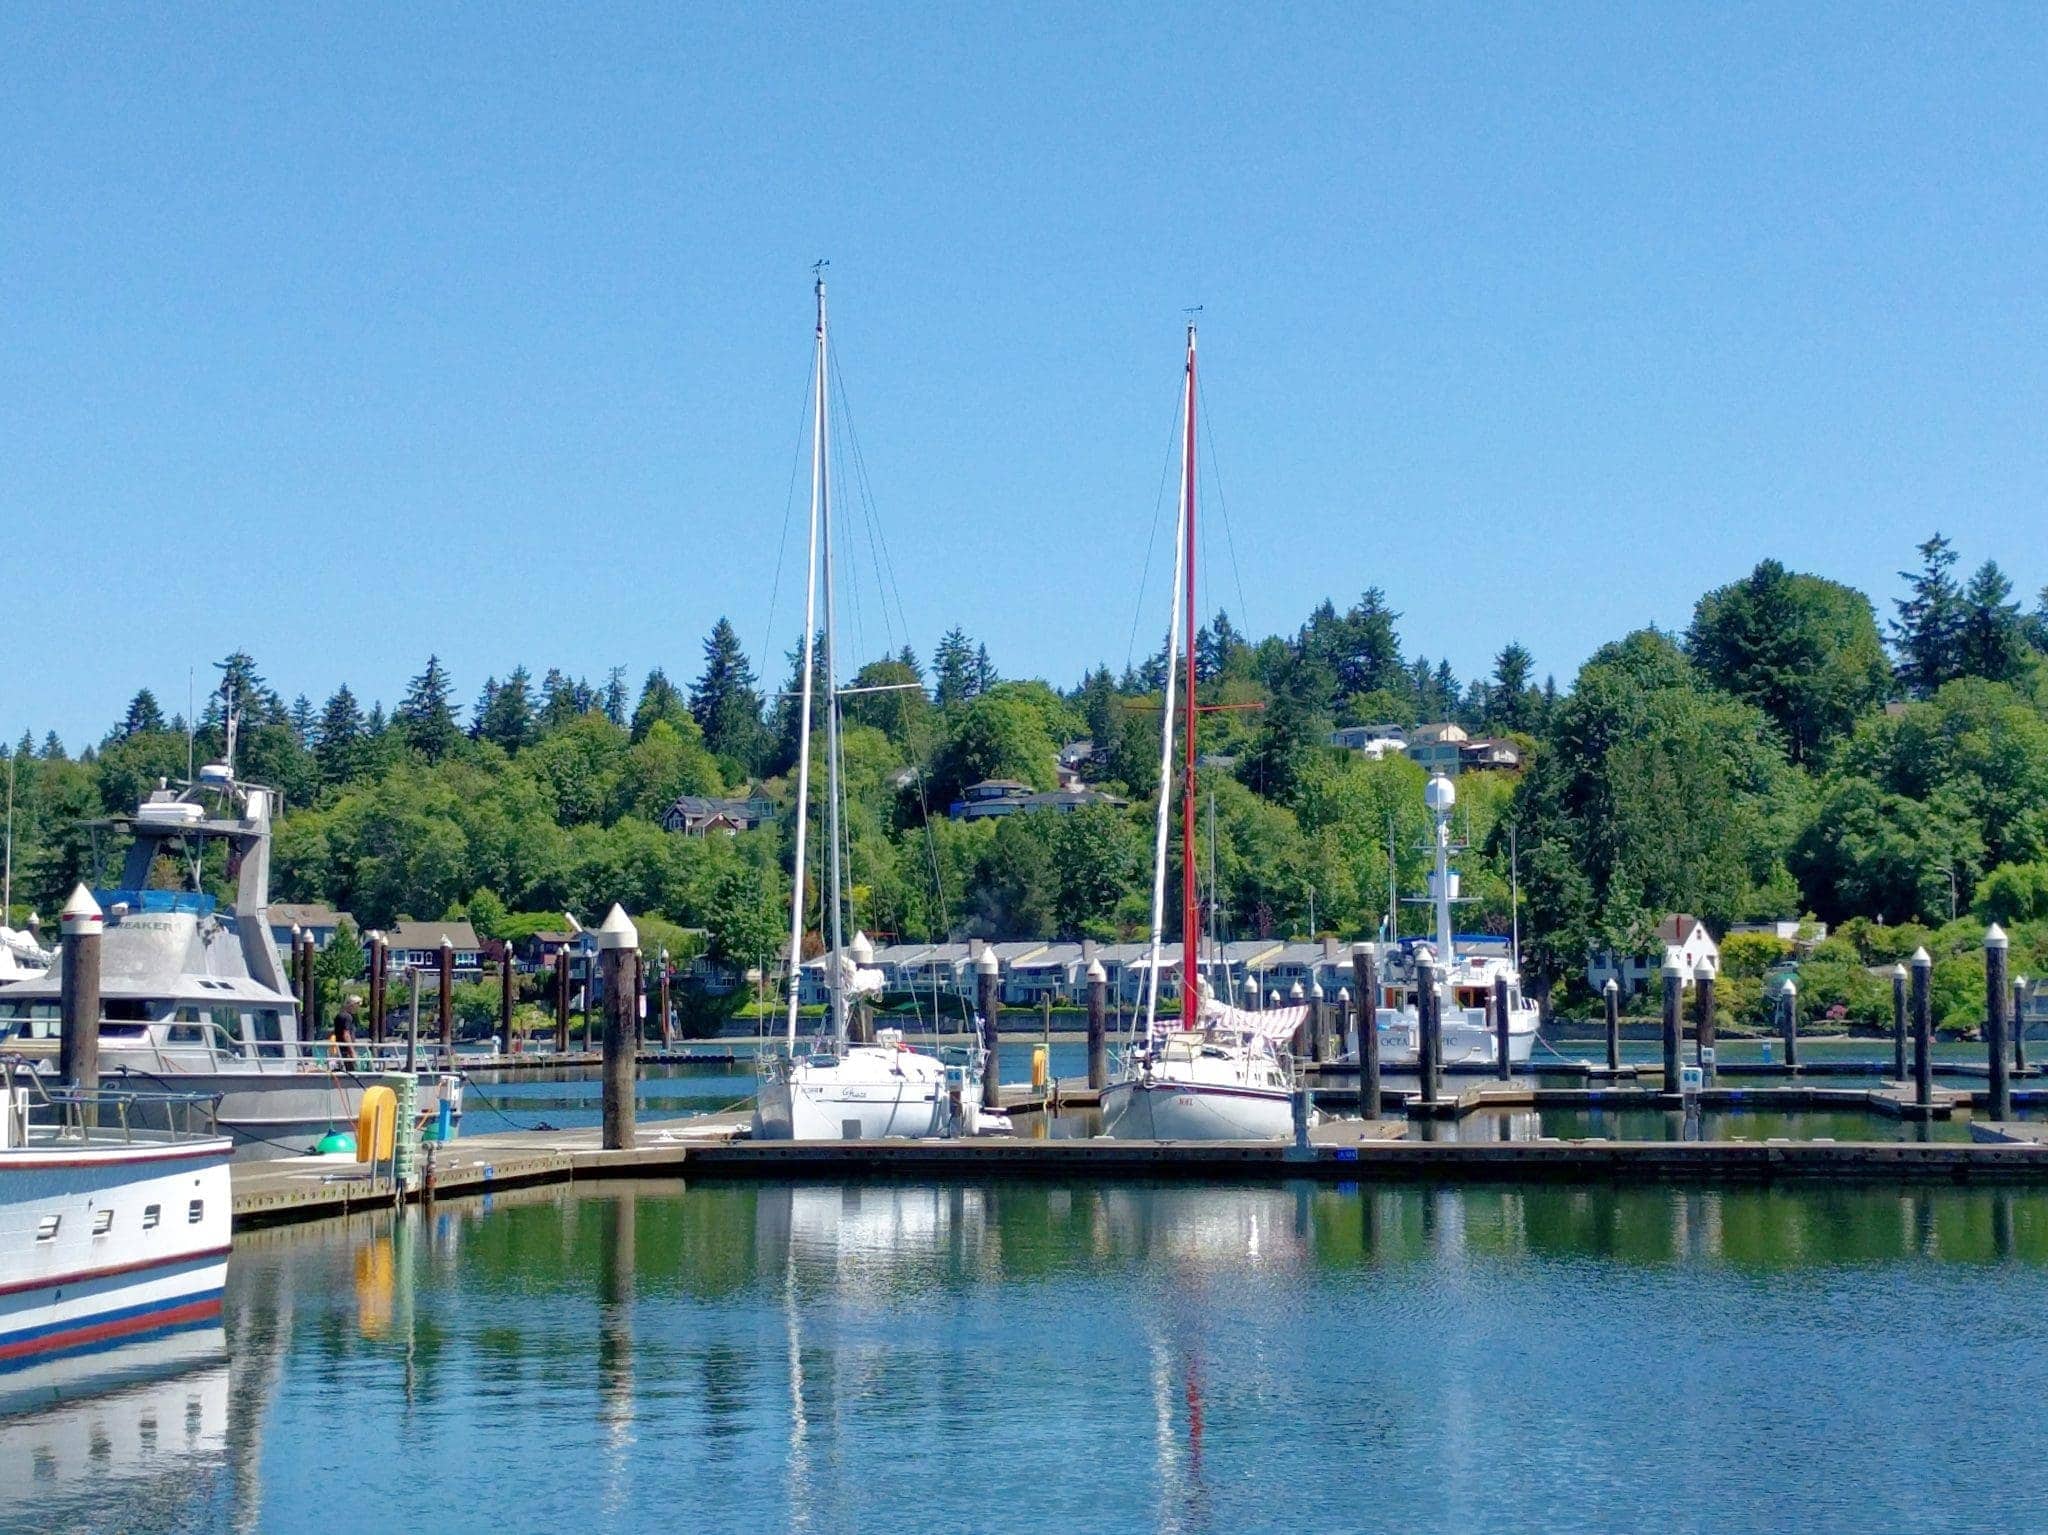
[53, 749]
[908, 657]
[338, 739]
[257, 704]
[143, 714]
[1509, 703]
[660, 699]
[481, 709]
[1992, 639]
[1371, 656]
[1447, 692]
[1421, 681]
[302, 719]
[724, 702]
[953, 669]
[613, 700]
[425, 716]
[984, 671]
[1927, 634]
[376, 724]
[2037, 622]
[504, 715]
[789, 707]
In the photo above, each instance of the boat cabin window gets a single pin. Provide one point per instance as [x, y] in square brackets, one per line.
[151, 1214]
[125, 1010]
[196, 1212]
[187, 1034]
[269, 1027]
[102, 1220]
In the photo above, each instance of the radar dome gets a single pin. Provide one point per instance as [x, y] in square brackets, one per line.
[1439, 793]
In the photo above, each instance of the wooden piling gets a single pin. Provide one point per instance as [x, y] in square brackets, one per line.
[78, 1047]
[1997, 1005]
[1898, 1023]
[446, 1001]
[1426, 1003]
[1673, 987]
[1505, 1063]
[1326, 1029]
[1923, 1029]
[1790, 995]
[1611, 994]
[1098, 1026]
[988, 982]
[618, 949]
[1703, 1025]
[1365, 981]
[380, 983]
[562, 1000]
[505, 1040]
[2019, 1023]
[668, 1017]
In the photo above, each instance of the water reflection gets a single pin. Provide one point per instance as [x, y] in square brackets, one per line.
[1135, 1356]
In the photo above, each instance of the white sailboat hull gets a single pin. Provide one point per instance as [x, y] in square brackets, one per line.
[865, 1094]
[1468, 1039]
[1158, 1109]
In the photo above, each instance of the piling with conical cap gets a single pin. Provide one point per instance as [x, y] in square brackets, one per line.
[1611, 995]
[1997, 1007]
[1674, 981]
[1898, 1023]
[1426, 1004]
[1365, 981]
[618, 943]
[1098, 1025]
[1505, 1063]
[986, 974]
[445, 1002]
[1923, 1028]
[80, 925]
[1789, 993]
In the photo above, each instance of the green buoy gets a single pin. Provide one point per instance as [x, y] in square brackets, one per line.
[334, 1143]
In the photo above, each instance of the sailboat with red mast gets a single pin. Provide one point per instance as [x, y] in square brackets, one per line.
[1220, 1073]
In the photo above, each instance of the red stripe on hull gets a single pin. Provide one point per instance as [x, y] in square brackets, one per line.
[87, 1276]
[89, 1333]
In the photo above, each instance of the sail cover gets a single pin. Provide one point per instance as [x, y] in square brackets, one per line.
[1276, 1025]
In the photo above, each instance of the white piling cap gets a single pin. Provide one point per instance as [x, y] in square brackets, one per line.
[1096, 972]
[1361, 948]
[1295, 993]
[987, 964]
[862, 948]
[81, 916]
[1273, 996]
[447, 942]
[1920, 959]
[617, 930]
[1612, 985]
[1343, 993]
[1672, 966]
[1315, 989]
[1994, 937]
[1898, 972]
[1791, 987]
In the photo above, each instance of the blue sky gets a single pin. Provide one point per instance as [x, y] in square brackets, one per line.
[346, 334]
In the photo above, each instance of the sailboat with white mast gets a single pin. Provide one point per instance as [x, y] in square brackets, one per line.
[1220, 1074]
[840, 1088]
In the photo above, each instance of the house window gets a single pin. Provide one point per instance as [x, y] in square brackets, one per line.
[151, 1214]
[195, 1212]
[46, 1228]
[103, 1220]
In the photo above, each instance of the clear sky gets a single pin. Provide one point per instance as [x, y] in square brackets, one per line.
[343, 334]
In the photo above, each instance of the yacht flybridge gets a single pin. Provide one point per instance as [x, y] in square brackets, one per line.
[193, 995]
[1220, 1074]
[839, 1087]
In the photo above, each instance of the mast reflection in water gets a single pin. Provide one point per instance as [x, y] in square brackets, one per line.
[1166, 1358]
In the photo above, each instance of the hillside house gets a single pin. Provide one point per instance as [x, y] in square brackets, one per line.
[1680, 939]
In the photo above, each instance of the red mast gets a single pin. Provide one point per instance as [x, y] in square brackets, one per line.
[1190, 915]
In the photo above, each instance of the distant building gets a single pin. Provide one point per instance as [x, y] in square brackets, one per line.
[1788, 929]
[1006, 796]
[1489, 754]
[698, 815]
[419, 944]
[1681, 939]
[1374, 741]
[1438, 748]
[321, 921]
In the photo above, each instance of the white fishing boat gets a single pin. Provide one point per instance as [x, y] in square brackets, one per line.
[1465, 981]
[108, 1232]
[1220, 1073]
[838, 1088]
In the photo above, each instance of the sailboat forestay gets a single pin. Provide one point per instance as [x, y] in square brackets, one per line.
[840, 1088]
[1221, 1074]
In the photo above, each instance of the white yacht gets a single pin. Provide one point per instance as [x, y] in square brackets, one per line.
[193, 996]
[22, 956]
[836, 1088]
[1220, 1074]
[1464, 981]
[114, 1230]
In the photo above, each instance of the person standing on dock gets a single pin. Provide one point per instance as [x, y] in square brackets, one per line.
[345, 1029]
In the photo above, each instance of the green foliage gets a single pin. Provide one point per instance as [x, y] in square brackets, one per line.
[1752, 954]
[2014, 892]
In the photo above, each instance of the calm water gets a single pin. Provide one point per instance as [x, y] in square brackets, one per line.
[922, 1359]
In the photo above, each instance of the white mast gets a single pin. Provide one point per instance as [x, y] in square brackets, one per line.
[7, 880]
[803, 736]
[824, 461]
[1441, 795]
[1166, 758]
